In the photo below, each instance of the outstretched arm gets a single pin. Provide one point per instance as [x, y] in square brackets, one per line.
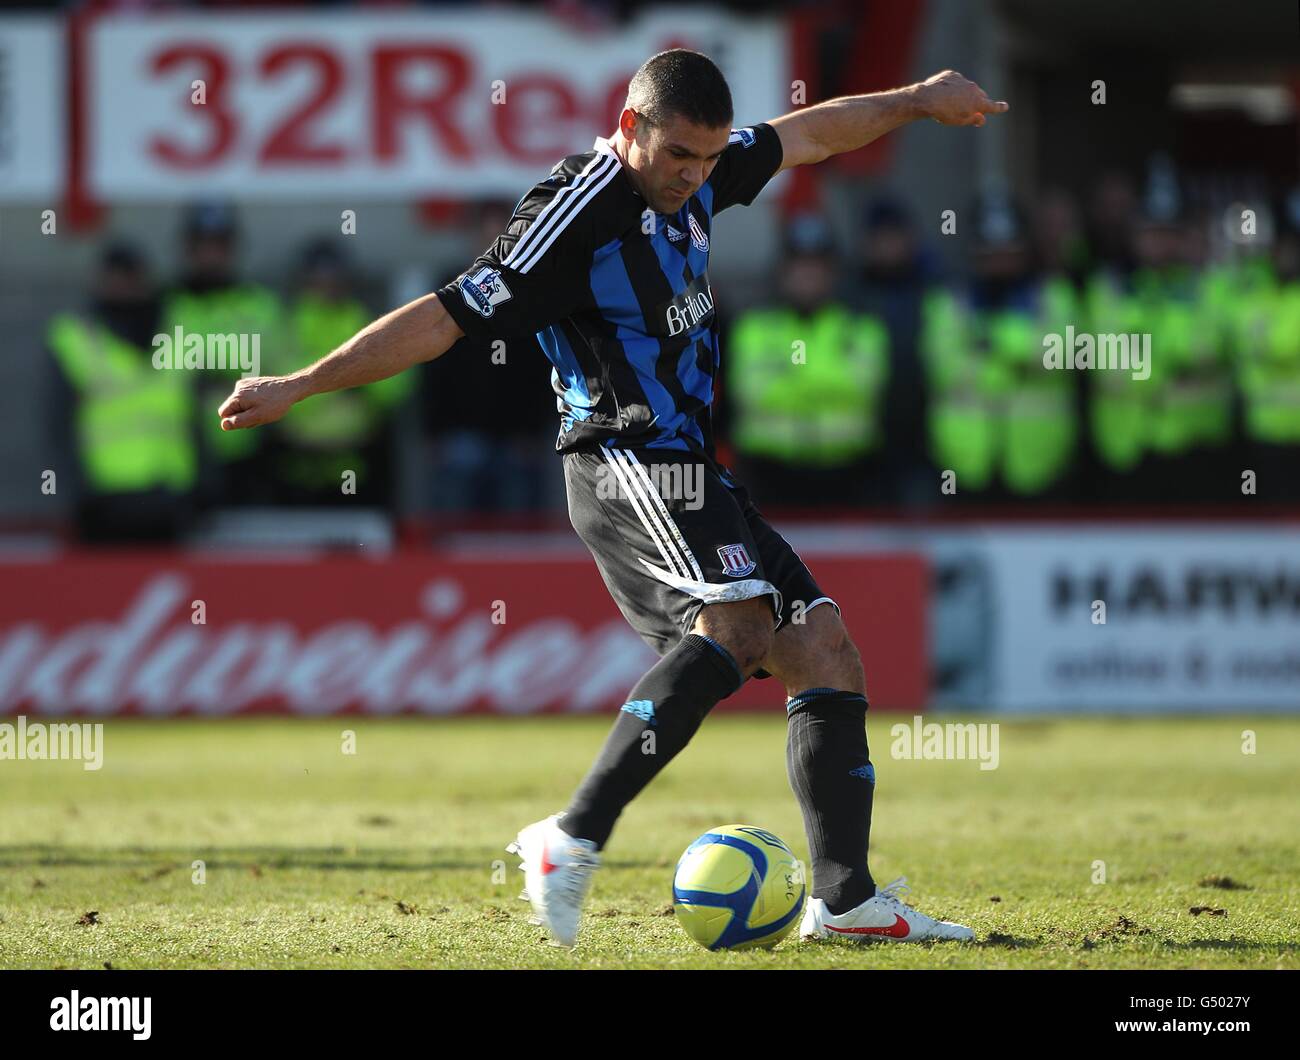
[418, 331]
[845, 124]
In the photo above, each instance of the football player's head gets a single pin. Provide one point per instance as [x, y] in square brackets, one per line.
[674, 126]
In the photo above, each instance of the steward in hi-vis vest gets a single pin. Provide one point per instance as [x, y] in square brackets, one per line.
[804, 377]
[999, 418]
[127, 429]
[227, 321]
[342, 431]
[1266, 358]
[1163, 433]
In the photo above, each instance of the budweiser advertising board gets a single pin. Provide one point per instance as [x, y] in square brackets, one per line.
[159, 634]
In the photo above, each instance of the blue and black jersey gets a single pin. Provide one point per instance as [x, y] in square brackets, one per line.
[617, 294]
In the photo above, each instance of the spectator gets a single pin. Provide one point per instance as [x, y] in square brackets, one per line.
[1164, 437]
[320, 441]
[805, 375]
[892, 281]
[209, 302]
[1003, 423]
[505, 463]
[125, 430]
[1268, 364]
[1112, 214]
[1060, 246]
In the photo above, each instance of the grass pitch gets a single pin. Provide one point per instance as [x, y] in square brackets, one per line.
[392, 856]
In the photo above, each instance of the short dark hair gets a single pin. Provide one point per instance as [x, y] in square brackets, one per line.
[681, 83]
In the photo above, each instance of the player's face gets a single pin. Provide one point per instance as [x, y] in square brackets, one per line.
[674, 159]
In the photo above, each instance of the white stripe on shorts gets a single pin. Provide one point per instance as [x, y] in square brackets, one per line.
[656, 533]
[663, 511]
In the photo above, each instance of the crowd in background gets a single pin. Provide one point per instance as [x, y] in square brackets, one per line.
[915, 388]
[866, 375]
[142, 444]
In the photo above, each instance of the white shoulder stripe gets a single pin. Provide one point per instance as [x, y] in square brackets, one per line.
[551, 210]
[557, 211]
[587, 196]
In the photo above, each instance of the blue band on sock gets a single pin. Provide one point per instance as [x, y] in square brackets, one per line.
[740, 678]
[810, 692]
[795, 702]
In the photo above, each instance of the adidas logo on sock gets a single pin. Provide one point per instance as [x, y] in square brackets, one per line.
[641, 708]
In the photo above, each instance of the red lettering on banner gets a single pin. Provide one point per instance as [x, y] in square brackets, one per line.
[214, 71]
[392, 101]
[388, 103]
[288, 142]
[535, 124]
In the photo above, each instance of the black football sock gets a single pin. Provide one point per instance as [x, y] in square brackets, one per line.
[659, 718]
[831, 774]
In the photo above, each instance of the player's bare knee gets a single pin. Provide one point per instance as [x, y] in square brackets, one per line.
[743, 627]
[820, 655]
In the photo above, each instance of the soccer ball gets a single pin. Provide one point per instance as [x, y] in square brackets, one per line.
[738, 887]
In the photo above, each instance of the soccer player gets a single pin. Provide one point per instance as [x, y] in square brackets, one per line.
[606, 260]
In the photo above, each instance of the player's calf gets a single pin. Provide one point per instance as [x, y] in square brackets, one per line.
[660, 716]
[827, 757]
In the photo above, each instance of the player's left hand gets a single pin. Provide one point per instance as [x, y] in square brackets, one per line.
[950, 99]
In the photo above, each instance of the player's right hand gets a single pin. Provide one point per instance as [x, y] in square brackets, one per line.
[257, 400]
[951, 99]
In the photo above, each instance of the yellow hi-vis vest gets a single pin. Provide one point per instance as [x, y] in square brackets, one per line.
[1186, 401]
[1039, 425]
[995, 409]
[806, 390]
[1268, 368]
[245, 310]
[964, 389]
[1193, 388]
[1120, 408]
[327, 432]
[340, 418]
[132, 421]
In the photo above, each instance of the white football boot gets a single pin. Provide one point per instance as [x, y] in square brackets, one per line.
[882, 916]
[557, 875]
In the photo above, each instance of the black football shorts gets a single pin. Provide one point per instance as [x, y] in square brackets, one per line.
[669, 536]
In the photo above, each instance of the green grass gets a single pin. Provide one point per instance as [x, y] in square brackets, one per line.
[393, 857]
